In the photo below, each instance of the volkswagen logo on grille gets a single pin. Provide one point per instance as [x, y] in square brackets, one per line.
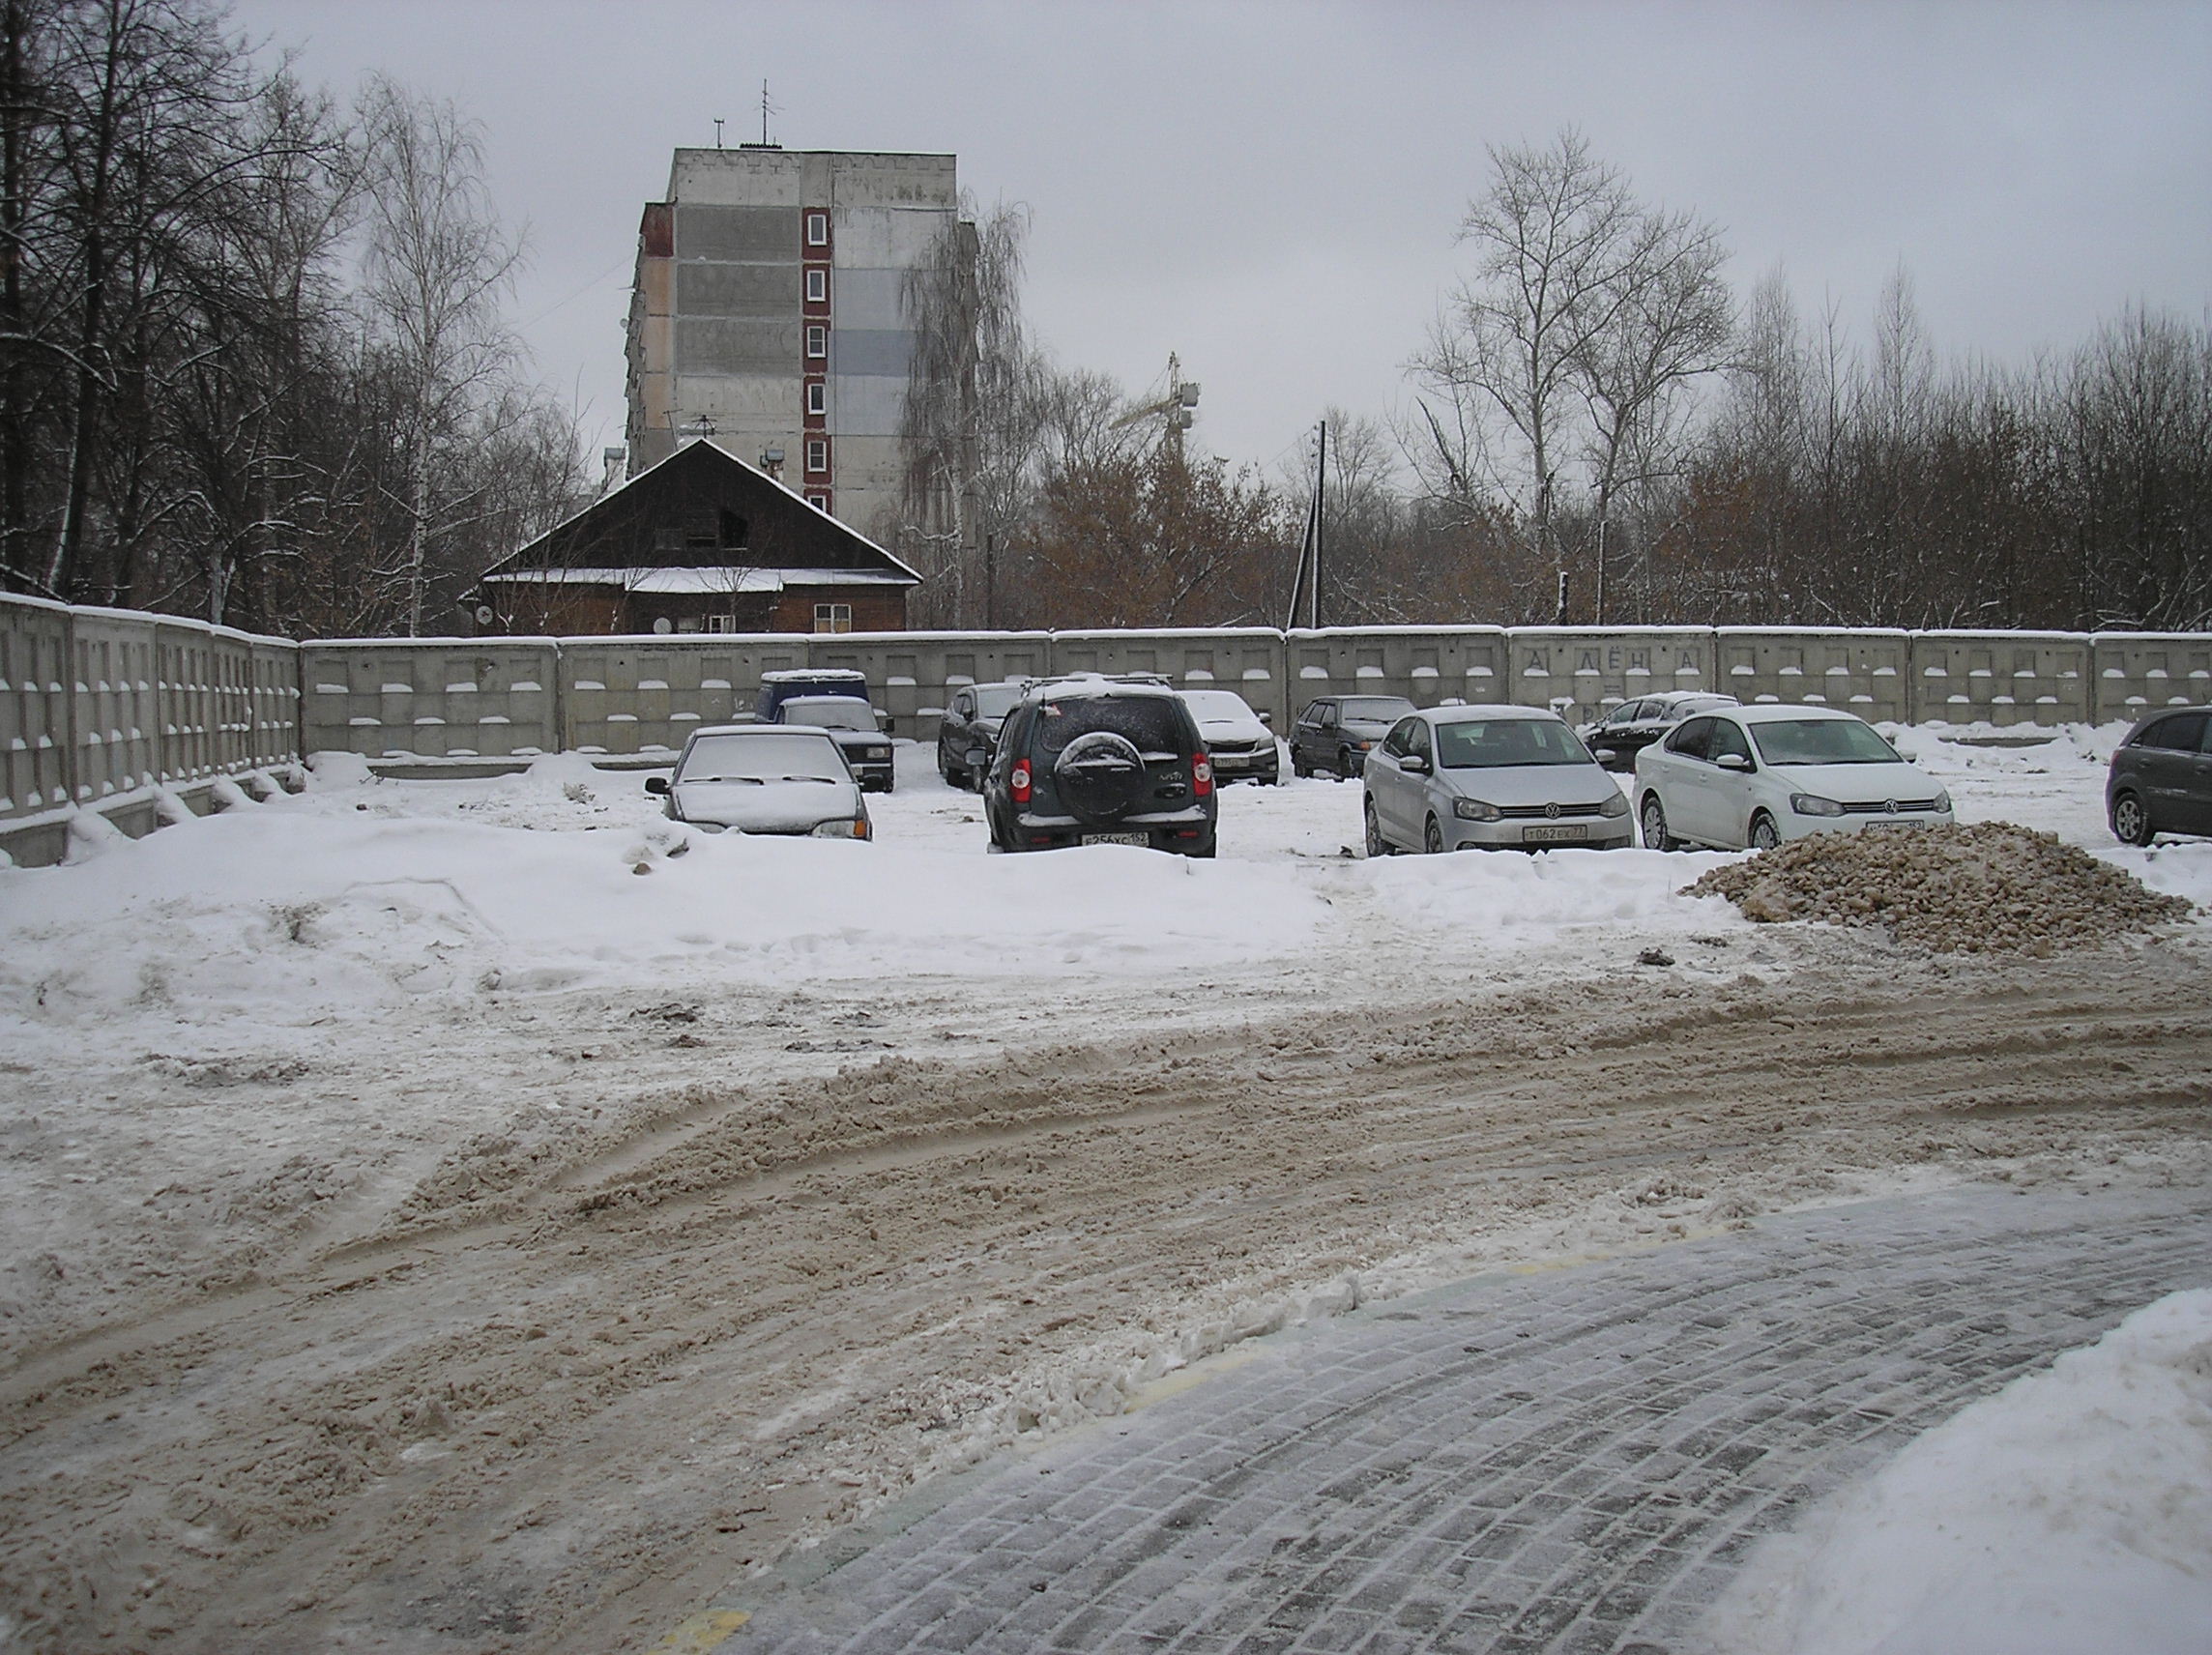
[1890, 806]
[1551, 810]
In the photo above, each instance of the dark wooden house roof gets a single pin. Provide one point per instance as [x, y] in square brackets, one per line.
[700, 520]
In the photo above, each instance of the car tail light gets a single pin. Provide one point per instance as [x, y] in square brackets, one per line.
[1018, 783]
[1201, 776]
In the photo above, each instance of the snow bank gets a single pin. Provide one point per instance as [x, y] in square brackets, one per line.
[2071, 1512]
[271, 903]
[1515, 899]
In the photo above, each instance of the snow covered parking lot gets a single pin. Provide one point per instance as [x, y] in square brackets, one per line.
[497, 1159]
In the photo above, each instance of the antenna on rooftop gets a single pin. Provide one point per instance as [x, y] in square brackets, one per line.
[717, 131]
[767, 109]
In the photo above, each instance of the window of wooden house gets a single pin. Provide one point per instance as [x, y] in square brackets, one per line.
[832, 617]
[734, 530]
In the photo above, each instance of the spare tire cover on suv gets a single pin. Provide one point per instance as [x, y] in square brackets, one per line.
[1100, 776]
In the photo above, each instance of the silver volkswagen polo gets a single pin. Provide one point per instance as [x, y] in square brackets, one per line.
[1452, 778]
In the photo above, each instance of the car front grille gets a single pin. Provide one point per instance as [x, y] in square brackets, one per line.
[1889, 806]
[1534, 812]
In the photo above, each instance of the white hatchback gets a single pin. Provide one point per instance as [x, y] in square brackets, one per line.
[1756, 776]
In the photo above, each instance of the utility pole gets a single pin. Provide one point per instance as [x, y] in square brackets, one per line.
[1306, 579]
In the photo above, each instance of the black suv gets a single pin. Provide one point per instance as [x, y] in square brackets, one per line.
[1100, 761]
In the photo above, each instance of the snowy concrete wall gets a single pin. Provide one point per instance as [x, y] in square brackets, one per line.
[101, 708]
[438, 699]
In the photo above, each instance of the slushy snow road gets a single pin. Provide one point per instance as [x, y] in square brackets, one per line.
[458, 1215]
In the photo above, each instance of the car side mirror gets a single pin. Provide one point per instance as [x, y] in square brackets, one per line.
[656, 784]
[1267, 718]
[1734, 761]
[1412, 764]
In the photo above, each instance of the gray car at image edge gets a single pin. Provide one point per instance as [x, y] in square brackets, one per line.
[2160, 778]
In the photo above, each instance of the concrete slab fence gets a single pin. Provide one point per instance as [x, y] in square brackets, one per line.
[111, 710]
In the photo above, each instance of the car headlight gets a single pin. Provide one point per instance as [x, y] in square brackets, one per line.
[1363, 745]
[1474, 810]
[1943, 804]
[1813, 805]
[1615, 805]
[844, 827]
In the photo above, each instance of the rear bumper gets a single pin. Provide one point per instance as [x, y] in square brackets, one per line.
[1190, 834]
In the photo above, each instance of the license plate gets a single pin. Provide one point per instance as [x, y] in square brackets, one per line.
[1893, 823]
[1548, 835]
[1138, 839]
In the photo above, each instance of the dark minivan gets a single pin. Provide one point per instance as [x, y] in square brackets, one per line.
[1100, 761]
[2160, 780]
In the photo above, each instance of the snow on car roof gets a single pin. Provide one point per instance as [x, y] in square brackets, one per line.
[1079, 683]
[1467, 714]
[1767, 712]
[815, 675]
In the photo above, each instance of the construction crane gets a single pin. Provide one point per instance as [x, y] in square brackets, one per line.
[1174, 409]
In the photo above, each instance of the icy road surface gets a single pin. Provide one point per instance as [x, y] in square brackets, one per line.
[476, 1215]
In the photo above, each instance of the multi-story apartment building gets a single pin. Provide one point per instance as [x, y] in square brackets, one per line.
[771, 310]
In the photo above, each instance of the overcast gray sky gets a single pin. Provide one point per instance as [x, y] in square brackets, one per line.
[1271, 190]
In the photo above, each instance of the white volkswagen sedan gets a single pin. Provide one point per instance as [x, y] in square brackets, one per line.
[1756, 776]
[1456, 779]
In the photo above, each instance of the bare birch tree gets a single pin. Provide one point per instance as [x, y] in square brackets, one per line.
[438, 266]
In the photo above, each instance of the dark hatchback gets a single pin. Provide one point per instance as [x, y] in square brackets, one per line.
[1097, 761]
[968, 730]
[2160, 780]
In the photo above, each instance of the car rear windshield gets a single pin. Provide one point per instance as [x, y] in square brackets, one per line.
[1821, 741]
[996, 700]
[742, 757]
[831, 711]
[1376, 709]
[1489, 743]
[1148, 721]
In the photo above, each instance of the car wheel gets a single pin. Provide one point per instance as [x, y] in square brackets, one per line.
[2131, 822]
[1377, 845]
[1346, 769]
[1433, 838]
[1298, 765]
[1764, 836]
[1654, 818]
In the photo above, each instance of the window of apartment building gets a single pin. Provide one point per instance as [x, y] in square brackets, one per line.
[816, 339]
[832, 617]
[817, 398]
[817, 455]
[817, 287]
[817, 229]
[820, 502]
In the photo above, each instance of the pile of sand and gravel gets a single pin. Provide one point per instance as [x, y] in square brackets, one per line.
[1992, 888]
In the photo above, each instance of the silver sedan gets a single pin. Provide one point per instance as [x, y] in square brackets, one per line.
[1452, 778]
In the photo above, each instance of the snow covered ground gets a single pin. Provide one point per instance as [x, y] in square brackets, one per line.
[2069, 1513]
[272, 1032]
